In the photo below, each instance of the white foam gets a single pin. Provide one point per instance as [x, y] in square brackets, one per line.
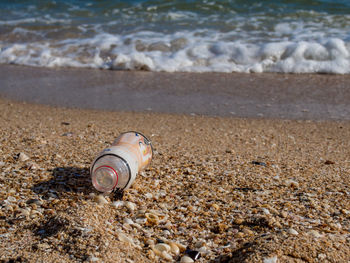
[185, 51]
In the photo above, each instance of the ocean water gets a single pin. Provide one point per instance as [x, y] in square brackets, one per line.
[300, 36]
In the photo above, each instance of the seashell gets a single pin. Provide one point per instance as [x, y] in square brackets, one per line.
[292, 184]
[160, 247]
[23, 157]
[315, 234]
[124, 238]
[186, 259]
[148, 195]
[93, 259]
[152, 218]
[118, 204]
[11, 199]
[24, 212]
[128, 221]
[174, 248]
[100, 200]
[166, 256]
[33, 166]
[131, 206]
[270, 260]
[34, 201]
[141, 220]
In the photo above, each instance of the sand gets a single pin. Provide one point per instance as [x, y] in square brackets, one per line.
[234, 189]
[286, 96]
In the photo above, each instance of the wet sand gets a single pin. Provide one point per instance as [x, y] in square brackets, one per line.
[290, 96]
[232, 189]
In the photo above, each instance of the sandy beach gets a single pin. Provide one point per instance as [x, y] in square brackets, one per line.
[230, 189]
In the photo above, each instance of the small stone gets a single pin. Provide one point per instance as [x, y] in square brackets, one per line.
[265, 211]
[68, 134]
[284, 214]
[321, 256]
[186, 259]
[270, 260]
[100, 200]
[23, 157]
[293, 232]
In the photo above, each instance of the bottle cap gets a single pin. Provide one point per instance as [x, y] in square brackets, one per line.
[105, 178]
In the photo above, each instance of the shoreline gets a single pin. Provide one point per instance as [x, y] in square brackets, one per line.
[242, 95]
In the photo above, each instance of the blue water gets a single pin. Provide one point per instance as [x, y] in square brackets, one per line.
[197, 36]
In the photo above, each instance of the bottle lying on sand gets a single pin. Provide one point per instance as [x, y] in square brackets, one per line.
[116, 167]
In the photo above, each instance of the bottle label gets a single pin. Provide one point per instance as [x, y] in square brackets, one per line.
[139, 145]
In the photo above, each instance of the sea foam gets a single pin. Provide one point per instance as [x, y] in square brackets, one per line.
[183, 52]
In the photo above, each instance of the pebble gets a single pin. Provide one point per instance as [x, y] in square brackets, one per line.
[293, 232]
[265, 211]
[186, 259]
